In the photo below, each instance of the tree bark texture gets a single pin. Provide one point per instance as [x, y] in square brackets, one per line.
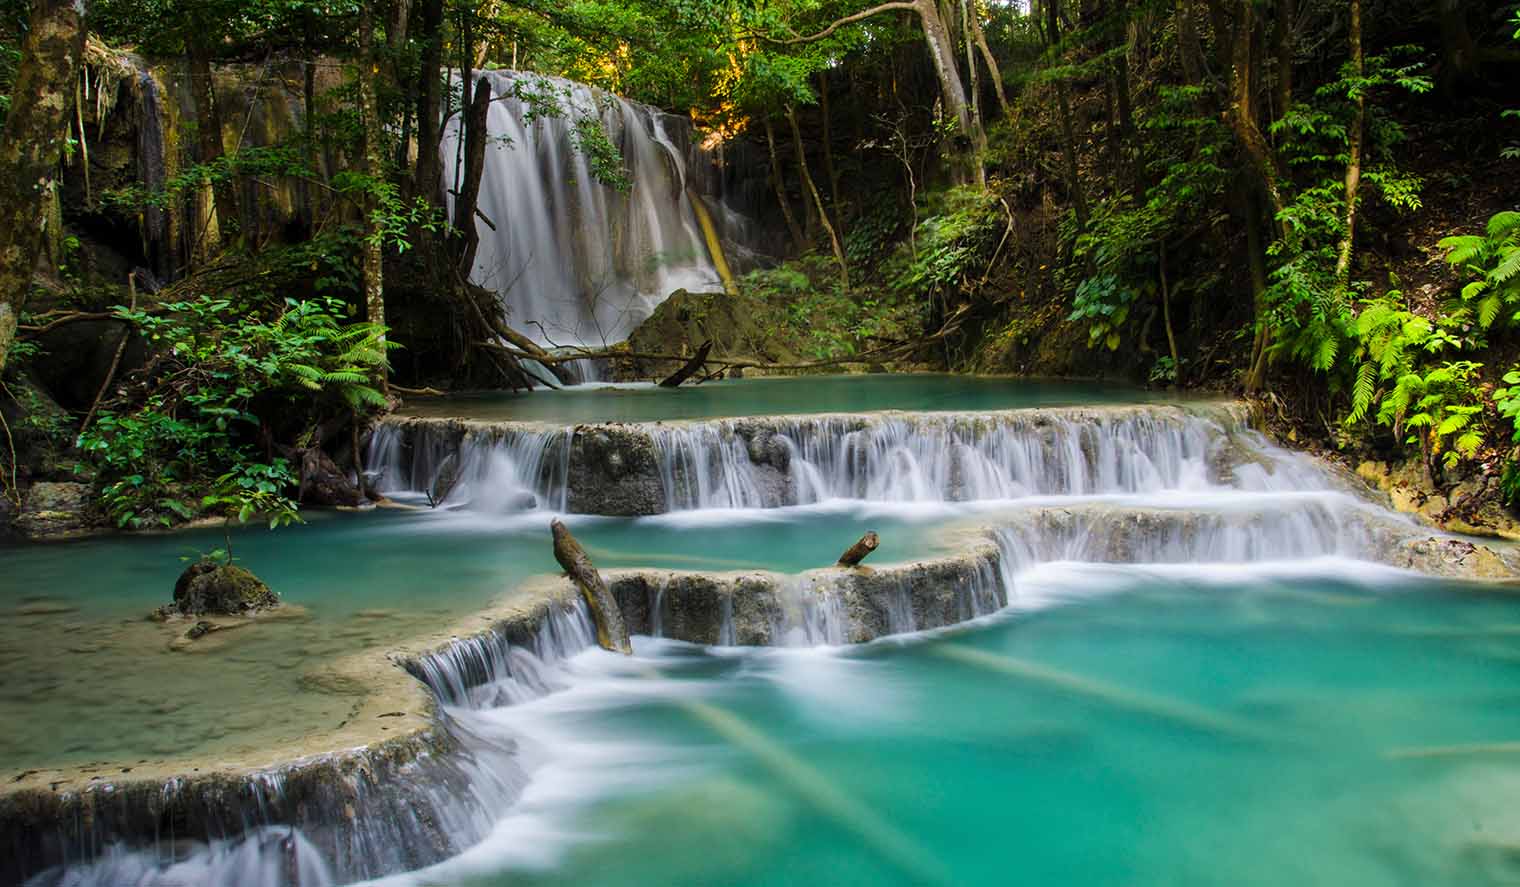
[611, 633]
[369, 101]
[857, 552]
[208, 140]
[690, 368]
[465, 201]
[780, 181]
[1354, 147]
[31, 146]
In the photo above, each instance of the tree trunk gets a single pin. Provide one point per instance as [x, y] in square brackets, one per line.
[941, 54]
[1255, 259]
[401, 19]
[36, 129]
[374, 132]
[978, 132]
[690, 368]
[1068, 131]
[992, 65]
[1242, 111]
[611, 633]
[857, 552]
[428, 176]
[1354, 148]
[828, 147]
[1069, 151]
[1188, 46]
[1458, 56]
[823, 215]
[1287, 22]
[786, 207]
[474, 169]
[1166, 319]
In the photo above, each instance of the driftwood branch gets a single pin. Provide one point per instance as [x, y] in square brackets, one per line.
[690, 369]
[858, 552]
[611, 633]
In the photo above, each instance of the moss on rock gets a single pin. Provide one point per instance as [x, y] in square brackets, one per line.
[209, 588]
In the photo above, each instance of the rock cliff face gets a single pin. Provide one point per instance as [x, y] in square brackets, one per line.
[54, 511]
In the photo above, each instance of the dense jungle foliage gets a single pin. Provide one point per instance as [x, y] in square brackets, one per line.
[1311, 201]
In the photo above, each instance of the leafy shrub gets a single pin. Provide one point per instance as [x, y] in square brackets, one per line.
[183, 440]
[1492, 260]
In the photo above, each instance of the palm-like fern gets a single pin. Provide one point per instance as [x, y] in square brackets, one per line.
[1493, 261]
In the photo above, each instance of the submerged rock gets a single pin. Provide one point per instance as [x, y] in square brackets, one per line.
[207, 588]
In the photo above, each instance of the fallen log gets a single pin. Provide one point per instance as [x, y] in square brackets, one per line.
[444, 481]
[611, 633]
[857, 552]
[696, 363]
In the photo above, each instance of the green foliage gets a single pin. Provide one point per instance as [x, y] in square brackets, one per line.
[1492, 262]
[193, 426]
[1104, 303]
[1440, 408]
[805, 309]
[955, 242]
[1309, 305]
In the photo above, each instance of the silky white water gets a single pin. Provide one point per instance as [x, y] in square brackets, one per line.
[577, 262]
[1186, 662]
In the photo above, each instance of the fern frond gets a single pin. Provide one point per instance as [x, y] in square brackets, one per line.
[1501, 224]
[1462, 248]
[1362, 391]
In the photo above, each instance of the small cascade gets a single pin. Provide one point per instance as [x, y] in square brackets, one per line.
[809, 615]
[1271, 527]
[494, 669]
[774, 462]
[577, 262]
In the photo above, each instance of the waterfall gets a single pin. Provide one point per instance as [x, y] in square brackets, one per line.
[799, 460]
[151, 172]
[577, 262]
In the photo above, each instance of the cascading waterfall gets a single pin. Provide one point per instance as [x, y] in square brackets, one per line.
[577, 262]
[930, 458]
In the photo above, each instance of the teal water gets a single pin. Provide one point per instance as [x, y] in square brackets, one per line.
[89, 679]
[775, 396]
[1191, 726]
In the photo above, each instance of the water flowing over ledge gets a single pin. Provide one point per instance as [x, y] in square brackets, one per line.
[768, 462]
[417, 778]
[580, 263]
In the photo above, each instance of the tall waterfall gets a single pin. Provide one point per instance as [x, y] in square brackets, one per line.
[577, 262]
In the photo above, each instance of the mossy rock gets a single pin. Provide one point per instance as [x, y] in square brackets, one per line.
[209, 588]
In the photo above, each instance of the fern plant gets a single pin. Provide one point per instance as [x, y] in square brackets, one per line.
[1492, 261]
[1441, 409]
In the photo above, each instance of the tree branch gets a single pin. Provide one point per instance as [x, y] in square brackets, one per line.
[905, 5]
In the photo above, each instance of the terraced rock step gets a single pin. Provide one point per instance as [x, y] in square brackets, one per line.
[652, 468]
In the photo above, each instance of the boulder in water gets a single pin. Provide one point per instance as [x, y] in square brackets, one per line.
[210, 588]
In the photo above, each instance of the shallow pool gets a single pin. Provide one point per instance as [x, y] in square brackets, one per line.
[923, 392]
[89, 679]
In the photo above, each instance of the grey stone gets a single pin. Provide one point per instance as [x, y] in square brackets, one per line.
[55, 510]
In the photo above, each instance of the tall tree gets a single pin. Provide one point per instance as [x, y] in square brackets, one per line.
[372, 262]
[36, 129]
